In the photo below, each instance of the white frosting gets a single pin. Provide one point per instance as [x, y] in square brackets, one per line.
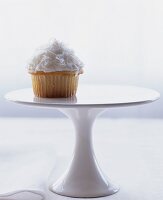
[55, 57]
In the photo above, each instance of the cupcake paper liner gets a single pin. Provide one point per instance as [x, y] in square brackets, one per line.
[55, 84]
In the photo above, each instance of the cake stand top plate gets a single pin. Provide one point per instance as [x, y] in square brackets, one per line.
[89, 95]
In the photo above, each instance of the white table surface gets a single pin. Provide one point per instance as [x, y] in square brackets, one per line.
[90, 95]
[130, 151]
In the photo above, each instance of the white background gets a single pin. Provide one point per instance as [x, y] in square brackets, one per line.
[119, 41]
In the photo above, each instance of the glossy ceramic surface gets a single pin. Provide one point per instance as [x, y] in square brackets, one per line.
[84, 178]
[90, 95]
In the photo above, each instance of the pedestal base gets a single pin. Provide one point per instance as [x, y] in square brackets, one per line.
[84, 177]
[82, 191]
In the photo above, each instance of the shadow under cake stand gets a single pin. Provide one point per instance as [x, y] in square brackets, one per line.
[84, 178]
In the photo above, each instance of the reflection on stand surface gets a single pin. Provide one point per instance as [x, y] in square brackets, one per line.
[69, 100]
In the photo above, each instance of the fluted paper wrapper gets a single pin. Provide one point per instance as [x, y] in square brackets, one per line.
[55, 84]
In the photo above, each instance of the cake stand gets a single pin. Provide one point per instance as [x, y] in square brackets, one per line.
[84, 178]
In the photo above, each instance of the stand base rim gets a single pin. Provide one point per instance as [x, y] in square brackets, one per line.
[97, 195]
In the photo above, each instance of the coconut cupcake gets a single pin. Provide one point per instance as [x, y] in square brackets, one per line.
[55, 71]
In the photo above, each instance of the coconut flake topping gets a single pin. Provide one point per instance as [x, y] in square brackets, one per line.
[55, 57]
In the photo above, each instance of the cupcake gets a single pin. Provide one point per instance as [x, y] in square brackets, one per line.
[55, 71]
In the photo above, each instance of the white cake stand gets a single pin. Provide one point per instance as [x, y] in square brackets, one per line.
[84, 177]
